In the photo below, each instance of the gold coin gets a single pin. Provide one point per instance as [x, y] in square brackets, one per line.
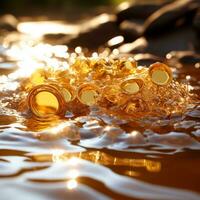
[160, 77]
[88, 94]
[131, 86]
[45, 101]
[88, 97]
[160, 74]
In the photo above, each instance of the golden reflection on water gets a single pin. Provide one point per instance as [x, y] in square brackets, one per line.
[73, 160]
[33, 124]
[98, 157]
[72, 174]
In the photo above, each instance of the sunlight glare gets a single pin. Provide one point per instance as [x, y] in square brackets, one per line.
[72, 184]
[73, 174]
[46, 27]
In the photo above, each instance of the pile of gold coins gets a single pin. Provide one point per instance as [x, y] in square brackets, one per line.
[115, 86]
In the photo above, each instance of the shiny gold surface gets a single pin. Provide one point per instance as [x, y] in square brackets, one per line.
[45, 101]
[160, 77]
[88, 97]
[132, 86]
[88, 94]
[160, 74]
[111, 82]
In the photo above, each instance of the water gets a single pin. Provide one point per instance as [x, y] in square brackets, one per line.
[94, 156]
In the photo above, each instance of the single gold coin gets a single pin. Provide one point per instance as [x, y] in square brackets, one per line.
[88, 97]
[160, 77]
[132, 86]
[88, 94]
[160, 74]
[45, 101]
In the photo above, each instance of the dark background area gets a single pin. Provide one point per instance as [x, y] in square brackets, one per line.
[56, 9]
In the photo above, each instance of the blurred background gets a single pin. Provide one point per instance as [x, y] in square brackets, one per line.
[69, 9]
[158, 27]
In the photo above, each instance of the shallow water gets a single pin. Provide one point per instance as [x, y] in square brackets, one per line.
[94, 156]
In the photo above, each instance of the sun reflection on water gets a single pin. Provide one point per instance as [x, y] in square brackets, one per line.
[98, 157]
[59, 157]
[73, 160]
[46, 27]
[72, 184]
[30, 56]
